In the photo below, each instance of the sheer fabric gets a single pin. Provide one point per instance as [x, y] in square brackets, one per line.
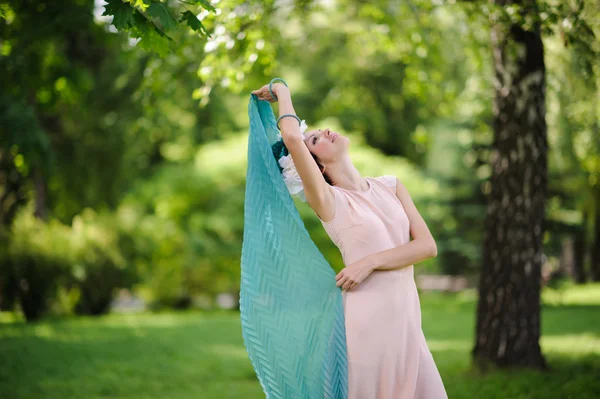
[291, 310]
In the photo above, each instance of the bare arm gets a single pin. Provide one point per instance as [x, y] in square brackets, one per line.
[317, 191]
[421, 248]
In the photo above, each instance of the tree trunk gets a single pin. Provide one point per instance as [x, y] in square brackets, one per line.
[595, 255]
[579, 252]
[12, 190]
[566, 263]
[41, 210]
[508, 311]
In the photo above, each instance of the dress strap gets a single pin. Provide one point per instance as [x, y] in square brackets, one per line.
[390, 180]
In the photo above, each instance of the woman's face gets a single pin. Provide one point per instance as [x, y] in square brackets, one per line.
[326, 144]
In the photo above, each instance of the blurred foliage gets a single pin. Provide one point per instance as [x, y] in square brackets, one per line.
[124, 126]
[39, 256]
[100, 266]
[77, 266]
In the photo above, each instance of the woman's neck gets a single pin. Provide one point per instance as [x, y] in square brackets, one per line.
[344, 174]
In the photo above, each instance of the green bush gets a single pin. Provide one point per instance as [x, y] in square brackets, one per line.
[39, 259]
[48, 266]
[99, 267]
[158, 248]
[8, 293]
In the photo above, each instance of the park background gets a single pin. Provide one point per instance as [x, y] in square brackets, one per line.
[123, 150]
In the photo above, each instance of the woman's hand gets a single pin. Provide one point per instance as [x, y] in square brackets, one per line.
[354, 274]
[264, 94]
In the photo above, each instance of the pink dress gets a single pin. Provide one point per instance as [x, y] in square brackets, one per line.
[388, 357]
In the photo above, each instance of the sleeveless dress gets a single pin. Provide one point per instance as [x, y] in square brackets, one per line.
[388, 357]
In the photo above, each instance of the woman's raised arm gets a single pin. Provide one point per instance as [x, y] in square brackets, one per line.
[318, 192]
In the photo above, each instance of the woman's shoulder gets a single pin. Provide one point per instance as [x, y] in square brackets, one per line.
[388, 180]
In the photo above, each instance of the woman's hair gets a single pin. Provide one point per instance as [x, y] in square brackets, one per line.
[280, 150]
[327, 179]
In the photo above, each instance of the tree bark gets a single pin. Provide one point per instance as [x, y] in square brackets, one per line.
[580, 249]
[41, 209]
[508, 311]
[566, 264]
[12, 191]
[595, 255]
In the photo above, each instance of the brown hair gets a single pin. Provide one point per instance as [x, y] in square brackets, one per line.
[327, 179]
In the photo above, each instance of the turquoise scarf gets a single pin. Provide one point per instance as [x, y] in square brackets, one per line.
[290, 307]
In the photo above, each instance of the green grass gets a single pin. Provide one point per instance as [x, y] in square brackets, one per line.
[201, 355]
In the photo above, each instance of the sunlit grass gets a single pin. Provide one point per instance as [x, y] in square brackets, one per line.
[587, 294]
[201, 355]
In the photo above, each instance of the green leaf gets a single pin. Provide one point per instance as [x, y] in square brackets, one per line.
[193, 22]
[155, 43]
[204, 3]
[152, 39]
[160, 11]
[122, 14]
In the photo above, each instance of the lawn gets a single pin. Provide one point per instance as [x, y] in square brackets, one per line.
[201, 355]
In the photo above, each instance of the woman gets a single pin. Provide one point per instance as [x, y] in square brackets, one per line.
[371, 220]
